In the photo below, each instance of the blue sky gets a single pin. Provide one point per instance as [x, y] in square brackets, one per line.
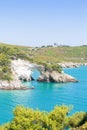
[39, 22]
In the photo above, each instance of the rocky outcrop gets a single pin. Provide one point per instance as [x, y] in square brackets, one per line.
[12, 85]
[56, 77]
[69, 65]
[21, 70]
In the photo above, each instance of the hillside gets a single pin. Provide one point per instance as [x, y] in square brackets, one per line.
[39, 55]
[48, 54]
[61, 54]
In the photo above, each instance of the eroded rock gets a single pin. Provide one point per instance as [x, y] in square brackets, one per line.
[56, 77]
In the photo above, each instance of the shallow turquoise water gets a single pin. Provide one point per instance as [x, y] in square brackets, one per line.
[46, 95]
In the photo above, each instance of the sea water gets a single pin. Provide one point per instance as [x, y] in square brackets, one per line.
[46, 95]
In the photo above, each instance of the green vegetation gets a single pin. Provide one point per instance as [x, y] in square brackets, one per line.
[8, 52]
[48, 56]
[61, 54]
[51, 67]
[29, 119]
[57, 119]
[5, 72]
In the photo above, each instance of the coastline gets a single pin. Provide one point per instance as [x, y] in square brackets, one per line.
[22, 70]
[71, 64]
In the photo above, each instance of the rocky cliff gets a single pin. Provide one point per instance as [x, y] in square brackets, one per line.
[21, 70]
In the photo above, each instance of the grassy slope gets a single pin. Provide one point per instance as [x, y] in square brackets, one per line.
[53, 54]
[59, 54]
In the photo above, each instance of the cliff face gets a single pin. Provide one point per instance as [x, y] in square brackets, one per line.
[56, 77]
[21, 70]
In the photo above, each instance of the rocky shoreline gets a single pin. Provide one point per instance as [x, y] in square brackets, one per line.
[12, 85]
[22, 70]
[71, 64]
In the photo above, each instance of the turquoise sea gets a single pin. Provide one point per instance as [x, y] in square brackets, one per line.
[46, 95]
